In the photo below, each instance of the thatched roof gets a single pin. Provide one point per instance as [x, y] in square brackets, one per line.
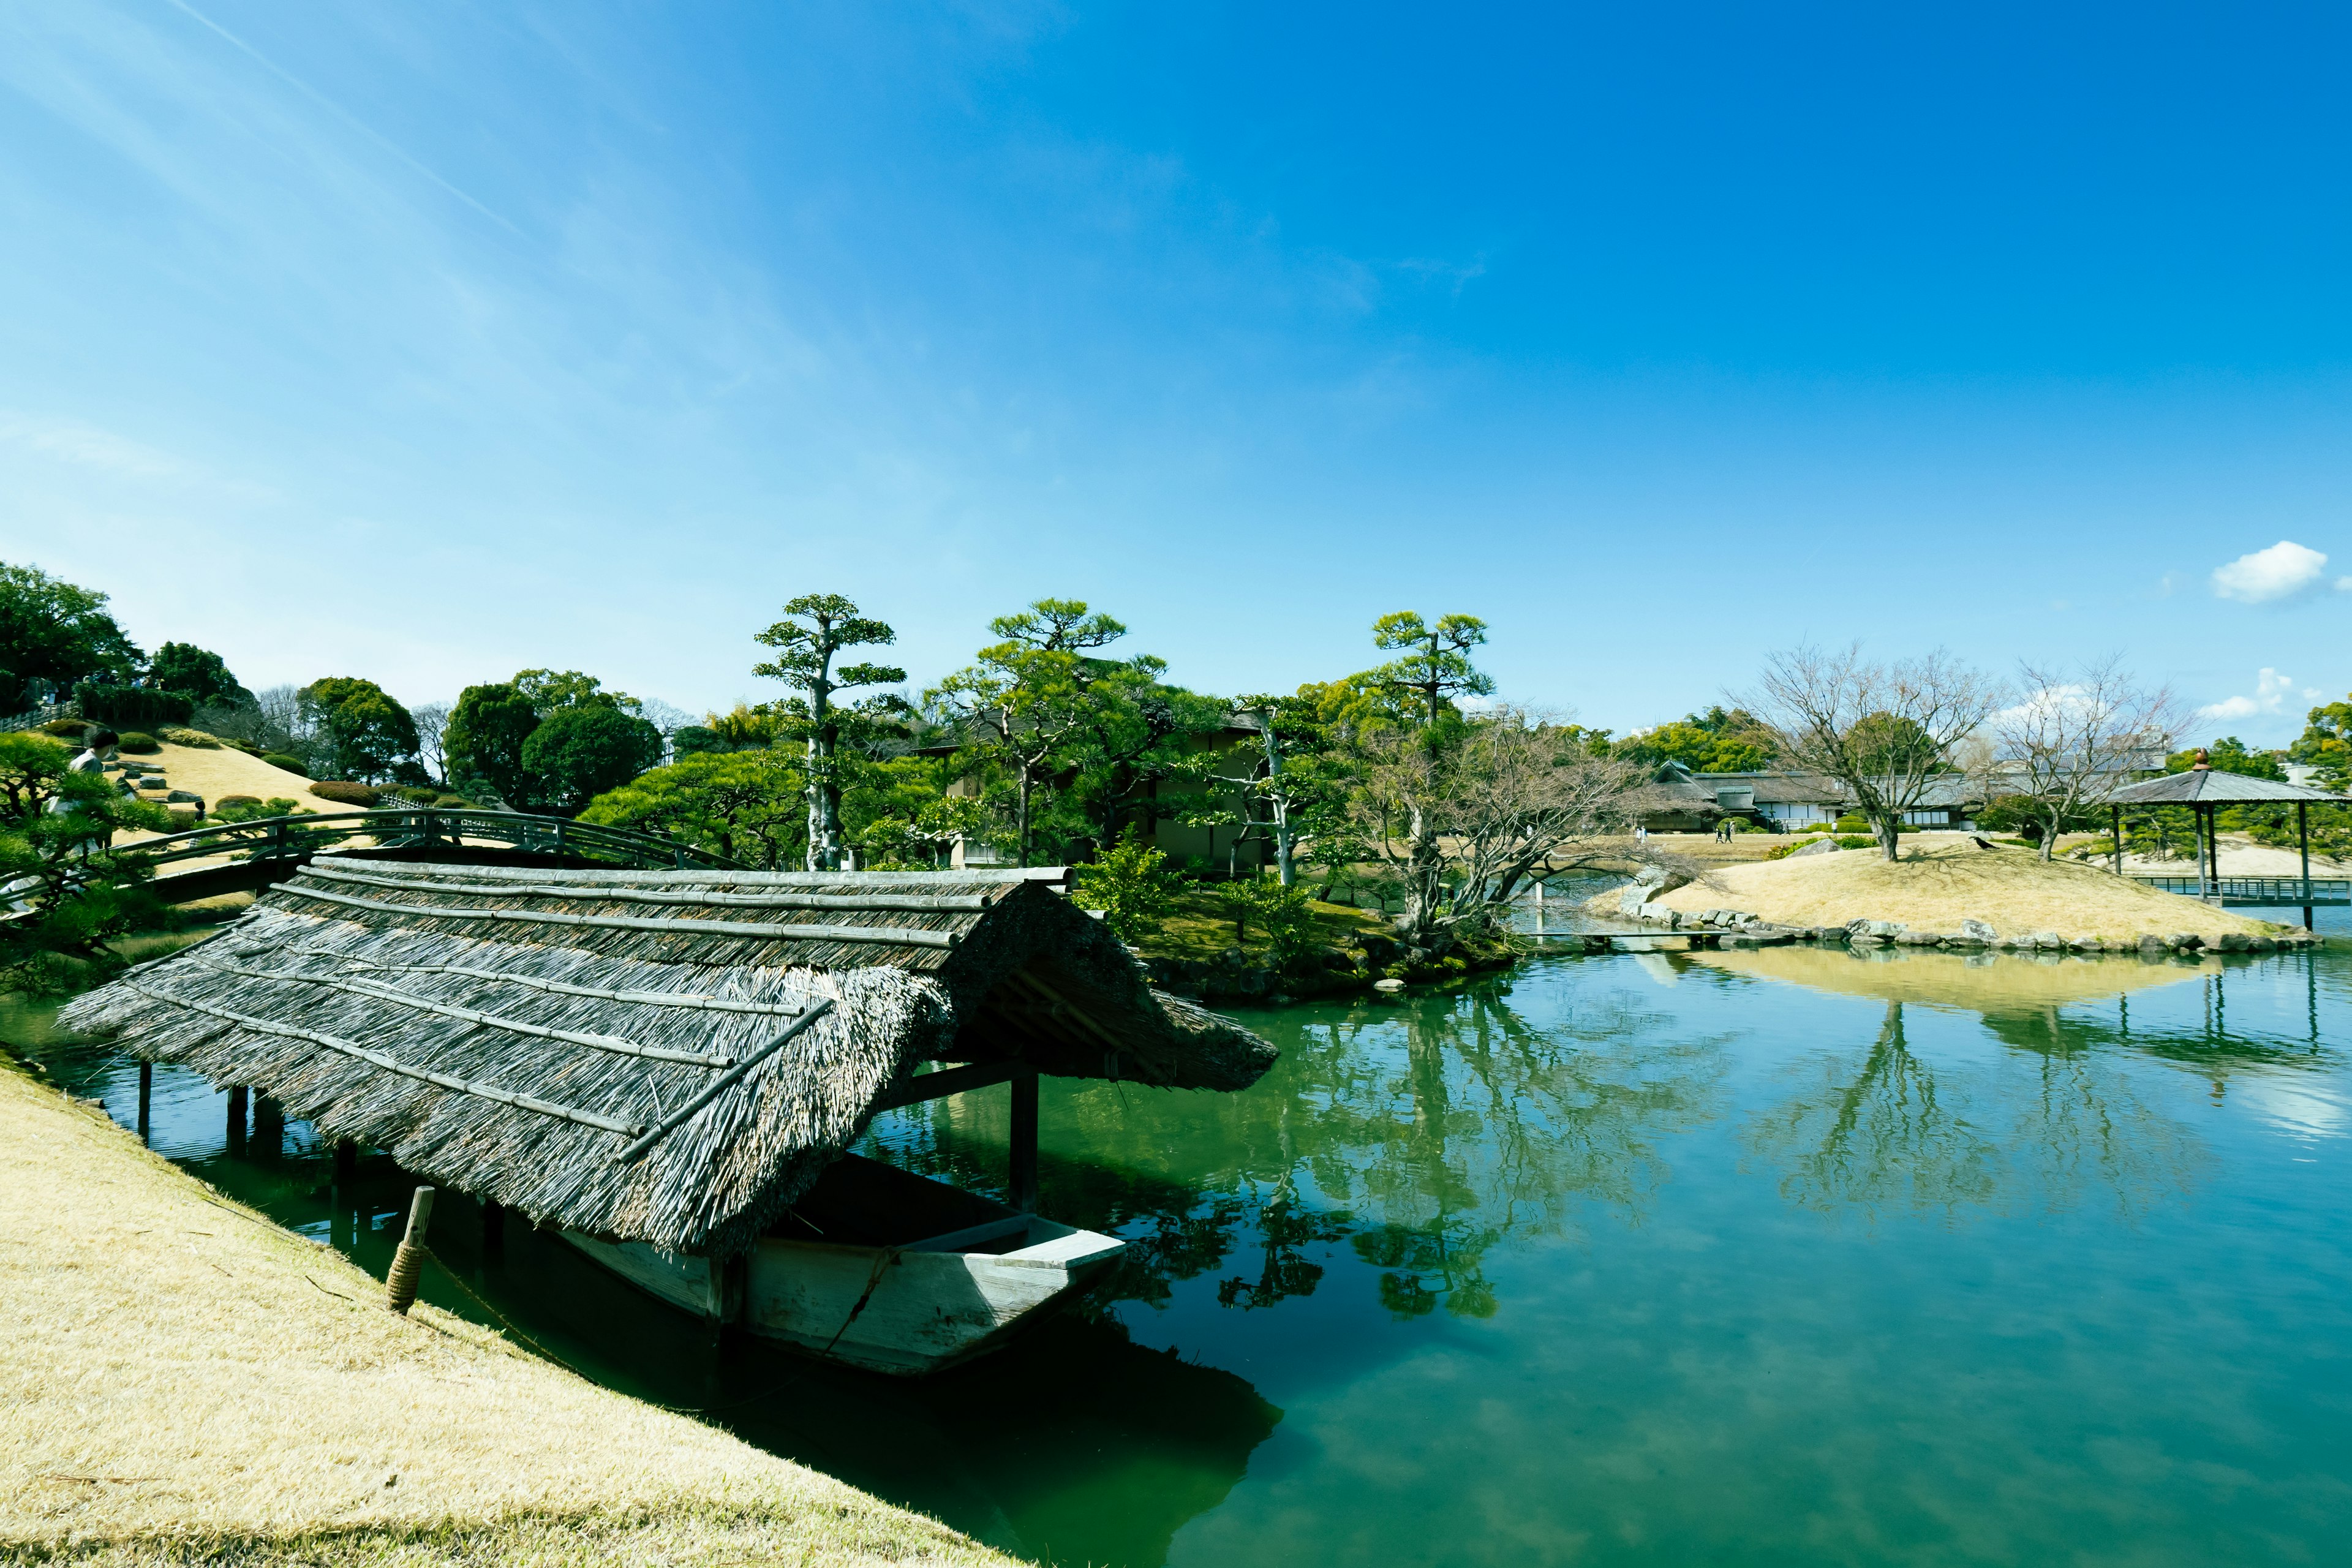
[669, 1057]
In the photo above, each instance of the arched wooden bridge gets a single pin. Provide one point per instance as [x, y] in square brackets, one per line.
[240, 857]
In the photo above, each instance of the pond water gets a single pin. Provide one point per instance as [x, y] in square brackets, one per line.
[1776, 1256]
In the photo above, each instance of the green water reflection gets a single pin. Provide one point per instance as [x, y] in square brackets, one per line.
[1787, 1257]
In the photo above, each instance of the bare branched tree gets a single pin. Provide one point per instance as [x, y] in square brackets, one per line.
[1468, 818]
[431, 723]
[1885, 731]
[2073, 736]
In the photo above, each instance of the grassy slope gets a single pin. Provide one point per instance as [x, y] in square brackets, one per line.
[1201, 929]
[183, 1381]
[1936, 888]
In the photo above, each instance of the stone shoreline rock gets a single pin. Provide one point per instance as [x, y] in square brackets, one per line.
[1739, 927]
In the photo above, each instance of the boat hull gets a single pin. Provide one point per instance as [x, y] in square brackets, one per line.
[834, 1281]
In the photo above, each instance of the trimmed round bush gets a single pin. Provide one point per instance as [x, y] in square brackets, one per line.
[195, 738]
[138, 745]
[281, 760]
[454, 802]
[65, 729]
[345, 793]
[226, 800]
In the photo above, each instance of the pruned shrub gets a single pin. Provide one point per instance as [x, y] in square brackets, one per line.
[1856, 841]
[454, 802]
[195, 738]
[137, 744]
[345, 793]
[281, 760]
[229, 800]
[65, 729]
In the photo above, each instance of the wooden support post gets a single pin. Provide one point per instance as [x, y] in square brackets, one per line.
[494, 1231]
[1025, 1142]
[2119, 839]
[399, 1285]
[236, 1120]
[269, 1127]
[146, 1095]
[347, 1162]
[2303, 842]
[2204, 886]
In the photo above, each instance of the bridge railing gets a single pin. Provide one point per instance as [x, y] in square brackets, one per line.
[2279, 891]
[274, 837]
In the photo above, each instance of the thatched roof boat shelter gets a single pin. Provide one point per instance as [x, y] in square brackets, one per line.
[671, 1057]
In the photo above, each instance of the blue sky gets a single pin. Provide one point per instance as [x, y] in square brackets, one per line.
[427, 342]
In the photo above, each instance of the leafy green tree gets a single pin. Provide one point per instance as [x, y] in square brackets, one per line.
[1022, 707]
[2230, 755]
[579, 753]
[747, 806]
[816, 630]
[550, 689]
[368, 732]
[1719, 740]
[72, 890]
[57, 633]
[484, 738]
[2325, 744]
[197, 674]
[1434, 669]
[1132, 884]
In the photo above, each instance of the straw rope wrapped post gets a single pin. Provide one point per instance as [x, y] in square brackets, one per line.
[399, 1285]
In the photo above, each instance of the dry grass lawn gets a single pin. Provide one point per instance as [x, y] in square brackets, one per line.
[227, 772]
[1935, 887]
[1982, 983]
[184, 1381]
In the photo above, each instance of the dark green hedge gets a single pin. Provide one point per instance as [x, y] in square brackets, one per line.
[132, 704]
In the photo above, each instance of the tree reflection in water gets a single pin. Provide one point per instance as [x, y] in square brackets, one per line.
[1421, 1134]
[1885, 1132]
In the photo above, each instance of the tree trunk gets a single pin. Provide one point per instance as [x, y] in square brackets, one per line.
[1424, 881]
[1889, 828]
[1281, 808]
[1023, 850]
[2049, 837]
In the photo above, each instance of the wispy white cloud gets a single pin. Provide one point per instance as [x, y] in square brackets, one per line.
[2284, 571]
[86, 447]
[2269, 694]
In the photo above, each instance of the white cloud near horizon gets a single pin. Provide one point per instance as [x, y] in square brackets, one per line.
[2282, 572]
[2271, 691]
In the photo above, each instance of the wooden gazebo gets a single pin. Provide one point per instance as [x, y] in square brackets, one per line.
[2203, 790]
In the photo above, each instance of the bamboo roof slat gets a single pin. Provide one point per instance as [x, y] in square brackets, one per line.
[880, 904]
[361, 987]
[873, 935]
[424, 1074]
[719, 1086]
[694, 1000]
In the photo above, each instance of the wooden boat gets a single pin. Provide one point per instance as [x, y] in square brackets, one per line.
[883, 1270]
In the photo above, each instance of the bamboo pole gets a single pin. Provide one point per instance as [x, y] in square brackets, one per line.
[400, 1284]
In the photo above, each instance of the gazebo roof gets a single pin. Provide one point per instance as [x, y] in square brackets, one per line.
[2209, 787]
